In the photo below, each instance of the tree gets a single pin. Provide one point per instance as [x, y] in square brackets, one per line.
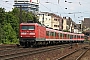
[10, 34]
[2, 15]
[9, 24]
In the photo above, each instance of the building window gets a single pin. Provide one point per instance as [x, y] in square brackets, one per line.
[55, 25]
[55, 19]
[46, 18]
[47, 25]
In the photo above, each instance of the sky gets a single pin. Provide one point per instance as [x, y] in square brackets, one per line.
[76, 9]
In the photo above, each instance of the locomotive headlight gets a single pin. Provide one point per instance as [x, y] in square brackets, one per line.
[32, 33]
[33, 36]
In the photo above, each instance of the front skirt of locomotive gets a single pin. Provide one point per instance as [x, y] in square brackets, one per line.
[26, 41]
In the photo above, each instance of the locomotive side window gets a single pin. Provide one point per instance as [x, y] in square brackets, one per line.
[27, 27]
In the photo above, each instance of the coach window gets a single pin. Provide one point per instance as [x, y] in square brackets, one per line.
[62, 35]
[55, 33]
[82, 37]
[71, 36]
[47, 33]
[67, 36]
[74, 36]
[52, 34]
[78, 36]
[58, 34]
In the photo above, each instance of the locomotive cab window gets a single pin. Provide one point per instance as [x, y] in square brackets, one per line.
[27, 27]
[31, 27]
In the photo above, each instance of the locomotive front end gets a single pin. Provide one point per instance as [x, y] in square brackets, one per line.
[27, 34]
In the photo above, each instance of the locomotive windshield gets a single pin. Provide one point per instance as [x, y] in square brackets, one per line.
[27, 27]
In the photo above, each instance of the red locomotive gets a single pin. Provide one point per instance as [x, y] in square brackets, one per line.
[32, 34]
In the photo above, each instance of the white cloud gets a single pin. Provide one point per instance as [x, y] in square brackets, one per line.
[72, 8]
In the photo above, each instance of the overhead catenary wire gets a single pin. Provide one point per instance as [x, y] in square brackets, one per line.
[58, 5]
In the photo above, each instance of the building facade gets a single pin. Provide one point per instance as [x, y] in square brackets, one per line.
[50, 20]
[56, 21]
[86, 26]
[27, 5]
[45, 19]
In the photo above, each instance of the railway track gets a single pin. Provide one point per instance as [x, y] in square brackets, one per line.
[30, 52]
[3, 47]
[75, 55]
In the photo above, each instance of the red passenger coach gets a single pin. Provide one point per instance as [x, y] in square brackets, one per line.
[63, 37]
[30, 33]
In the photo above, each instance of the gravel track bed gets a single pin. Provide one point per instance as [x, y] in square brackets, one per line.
[86, 56]
[7, 46]
[50, 55]
[74, 55]
[14, 51]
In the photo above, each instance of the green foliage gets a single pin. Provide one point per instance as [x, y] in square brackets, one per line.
[66, 31]
[9, 24]
[2, 15]
[10, 34]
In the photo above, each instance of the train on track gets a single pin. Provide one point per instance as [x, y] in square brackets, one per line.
[33, 34]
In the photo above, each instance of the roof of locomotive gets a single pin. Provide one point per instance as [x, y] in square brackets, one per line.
[34, 24]
[29, 24]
